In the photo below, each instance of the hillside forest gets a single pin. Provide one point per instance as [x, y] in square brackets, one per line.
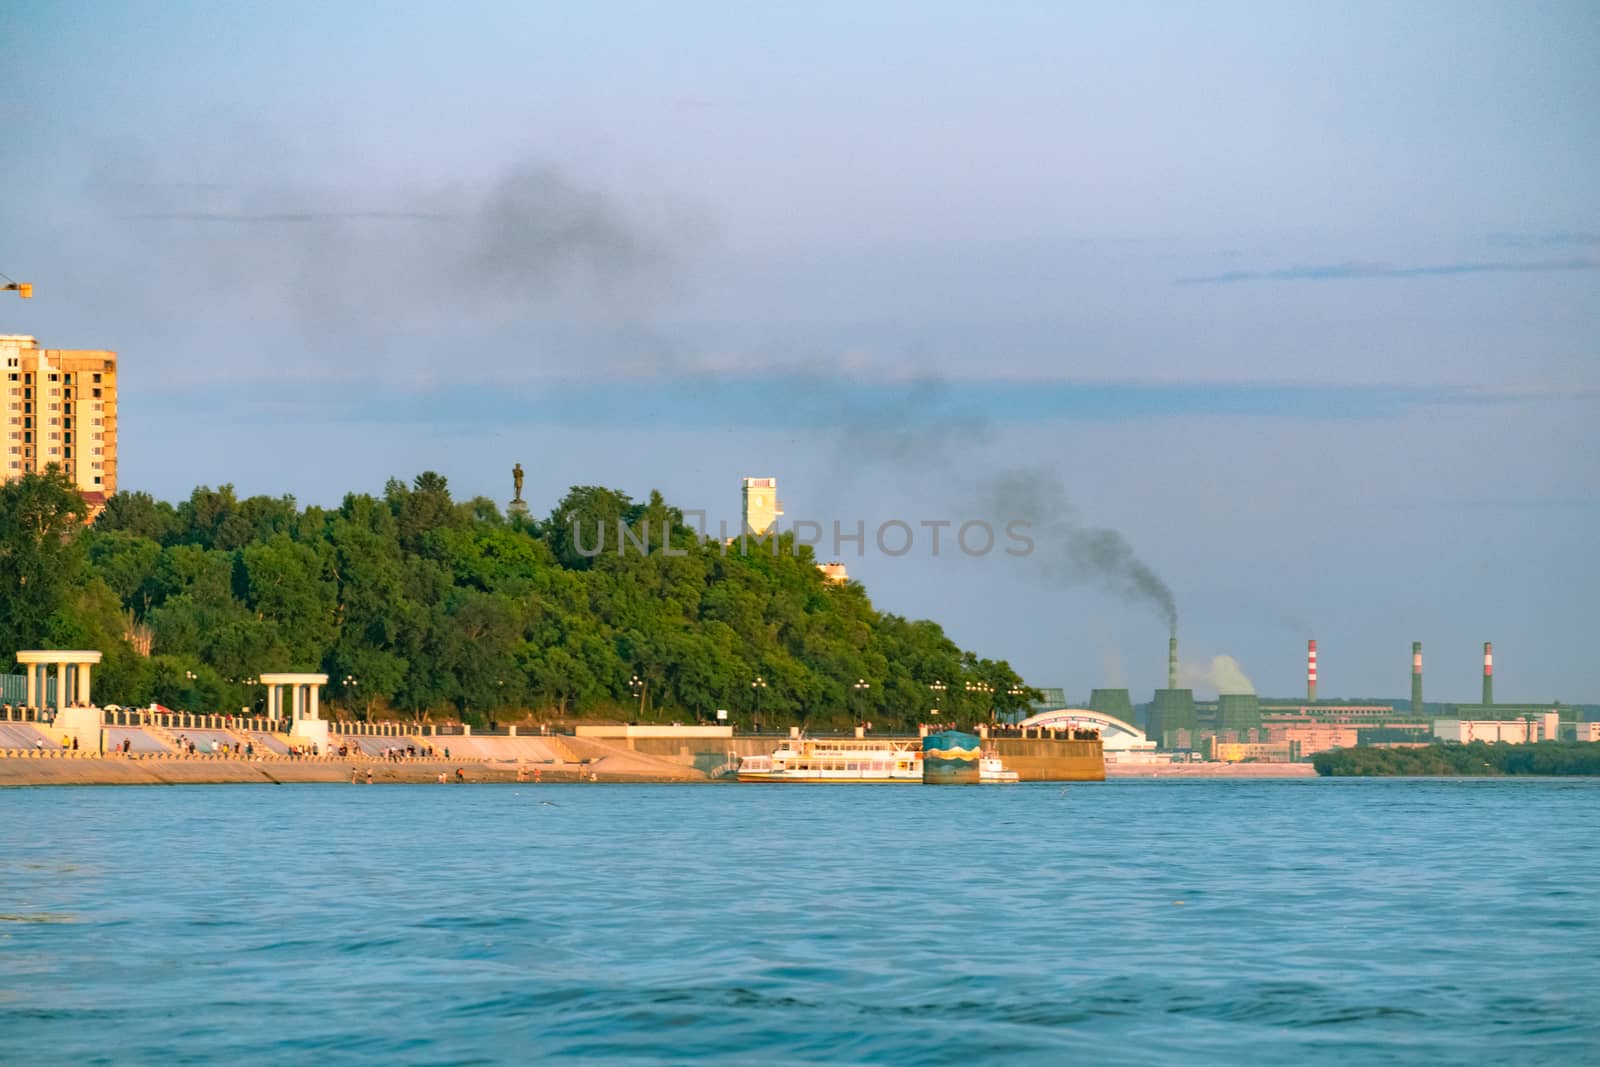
[417, 604]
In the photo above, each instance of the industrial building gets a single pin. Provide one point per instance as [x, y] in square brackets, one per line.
[59, 409]
[1546, 727]
[1261, 728]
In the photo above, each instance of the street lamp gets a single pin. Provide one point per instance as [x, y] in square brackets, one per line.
[938, 694]
[349, 684]
[983, 688]
[861, 686]
[638, 686]
[758, 685]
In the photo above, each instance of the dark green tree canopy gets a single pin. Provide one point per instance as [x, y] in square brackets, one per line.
[412, 602]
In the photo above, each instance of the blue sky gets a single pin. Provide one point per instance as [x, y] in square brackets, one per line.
[1304, 300]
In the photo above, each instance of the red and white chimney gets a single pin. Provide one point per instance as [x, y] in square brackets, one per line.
[1488, 672]
[1311, 672]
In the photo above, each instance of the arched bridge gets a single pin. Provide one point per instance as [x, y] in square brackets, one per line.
[1115, 735]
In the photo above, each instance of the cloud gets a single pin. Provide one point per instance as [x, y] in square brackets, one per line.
[1348, 271]
[893, 421]
[1553, 239]
[290, 217]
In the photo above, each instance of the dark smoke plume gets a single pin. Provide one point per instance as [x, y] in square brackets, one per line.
[1069, 552]
[530, 246]
[926, 428]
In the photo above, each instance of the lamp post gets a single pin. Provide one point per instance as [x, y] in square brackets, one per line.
[861, 687]
[1018, 692]
[757, 686]
[638, 686]
[938, 694]
[986, 690]
[349, 684]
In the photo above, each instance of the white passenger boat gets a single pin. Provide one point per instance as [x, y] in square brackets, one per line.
[854, 759]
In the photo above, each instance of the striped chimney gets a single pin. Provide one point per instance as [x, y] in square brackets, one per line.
[1311, 672]
[1172, 663]
[1488, 672]
[1416, 678]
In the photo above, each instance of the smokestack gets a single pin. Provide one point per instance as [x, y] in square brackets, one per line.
[1488, 672]
[1311, 672]
[1416, 677]
[1172, 663]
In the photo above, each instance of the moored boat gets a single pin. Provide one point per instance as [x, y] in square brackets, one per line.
[851, 760]
[992, 771]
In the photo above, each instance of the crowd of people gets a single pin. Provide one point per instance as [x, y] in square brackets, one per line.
[245, 749]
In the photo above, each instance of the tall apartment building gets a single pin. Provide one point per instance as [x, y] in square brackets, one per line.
[760, 506]
[59, 407]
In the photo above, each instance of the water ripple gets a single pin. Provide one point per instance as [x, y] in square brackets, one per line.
[1130, 923]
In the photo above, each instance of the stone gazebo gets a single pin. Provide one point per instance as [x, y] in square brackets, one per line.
[76, 714]
[305, 695]
[72, 676]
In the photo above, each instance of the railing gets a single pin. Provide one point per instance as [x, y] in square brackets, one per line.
[20, 713]
[183, 720]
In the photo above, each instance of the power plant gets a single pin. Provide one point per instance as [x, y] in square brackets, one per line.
[1245, 722]
[1172, 709]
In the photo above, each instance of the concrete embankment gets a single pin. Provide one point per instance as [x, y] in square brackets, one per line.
[1210, 770]
[691, 756]
[1034, 759]
[116, 770]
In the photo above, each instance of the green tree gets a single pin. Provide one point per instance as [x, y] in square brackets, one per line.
[41, 554]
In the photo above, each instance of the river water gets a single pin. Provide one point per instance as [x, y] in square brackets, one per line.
[1313, 921]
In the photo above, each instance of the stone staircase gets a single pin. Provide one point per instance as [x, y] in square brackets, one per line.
[561, 749]
[162, 734]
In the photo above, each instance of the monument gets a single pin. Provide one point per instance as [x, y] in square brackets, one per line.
[75, 711]
[518, 505]
[304, 690]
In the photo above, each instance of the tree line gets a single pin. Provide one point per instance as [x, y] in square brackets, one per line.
[415, 603]
[1473, 758]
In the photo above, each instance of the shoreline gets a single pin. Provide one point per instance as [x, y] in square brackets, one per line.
[24, 772]
[1210, 770]
[31, 771]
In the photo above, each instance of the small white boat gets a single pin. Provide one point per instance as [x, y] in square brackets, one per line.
[992, 771]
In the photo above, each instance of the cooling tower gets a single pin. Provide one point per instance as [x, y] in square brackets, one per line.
[1113, 702]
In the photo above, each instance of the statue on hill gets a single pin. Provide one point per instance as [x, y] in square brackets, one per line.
[518, 505]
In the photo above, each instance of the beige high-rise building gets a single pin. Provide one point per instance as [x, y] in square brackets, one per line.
[59, 407]
[760, 506]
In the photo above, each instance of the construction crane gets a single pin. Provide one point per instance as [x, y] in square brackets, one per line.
[22, 289]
